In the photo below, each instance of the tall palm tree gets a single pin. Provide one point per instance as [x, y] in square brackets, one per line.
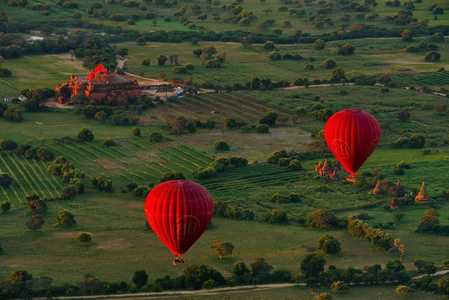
[71, 52]
[2, 60]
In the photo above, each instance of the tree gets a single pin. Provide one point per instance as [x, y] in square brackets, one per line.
[443, 285]
[269, 118]
[275, 55]
[12, 114]
[321, 219]
[174, 175]
[403, 115]
[329, 64]
[85, 135]
[2, 61]
[209, 51]
[71, 52]
[269, 45]
[84, 238]
[5, 179]
[436, 38]
[36, 222]
[221, 146]
[261, 268]
[338, 75]
[222, 249]
[429, 268]
[195, 276]
[329, 245]
[136, 131]
[323, 296]
[7, 144]
[247, 41]
[433, 56]
[145, 61]
[416, 141]
[240, 269]
[346, 49]
[339, 287]
[141, 40]
[65, 218]
[140, 278]
[407, 35]
[319, 44]
[156, 137]
[312, 264]
[5, 206]
[161, 59]
[45, 153]
[90, 283]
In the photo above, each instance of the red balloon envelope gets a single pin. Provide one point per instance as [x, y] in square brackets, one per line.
[352, 135]
[179, 211]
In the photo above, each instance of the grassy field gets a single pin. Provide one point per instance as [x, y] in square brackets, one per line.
[372, 56]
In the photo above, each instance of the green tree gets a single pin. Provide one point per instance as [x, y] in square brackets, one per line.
[85, 135]
[329, 64]
[339, 287]
[136, 131]
[319, 44]
[145, 61]
[161, 59]
[5, 206]
[443, 285]
[5, 179]
[312, 264]
[269, 118]
[84, 238]
[338, 75]
[141, 41]
[417, 141]
[329, 245]
[403, 115]
[221, 146]
[222, 249]
[195, 276]
[36, 222]
[8, 145]
[321, 219]
[209, 51]
[269, 45]
[275, 55]
[140, 278]
[433, 56]
[156, 137]
[260, 268]
[174, 175]
[346, 49]
[407, 35]
[240, 269]
[65, 218]
[13, 115]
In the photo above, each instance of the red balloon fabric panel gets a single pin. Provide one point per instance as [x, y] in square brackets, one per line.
[179, 211]
[352, 135]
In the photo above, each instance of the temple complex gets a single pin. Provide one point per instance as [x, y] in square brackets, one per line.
[100, 86]
[326, 170]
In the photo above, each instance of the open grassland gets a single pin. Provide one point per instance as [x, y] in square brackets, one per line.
[252, 6]
[372, 56]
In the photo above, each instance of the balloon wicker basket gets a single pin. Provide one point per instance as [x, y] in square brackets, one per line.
[178, 261]
[350, 178]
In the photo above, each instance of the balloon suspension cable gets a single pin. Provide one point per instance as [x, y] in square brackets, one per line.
[178, 260]
[350, 178]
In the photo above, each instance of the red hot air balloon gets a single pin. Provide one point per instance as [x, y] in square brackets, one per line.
[179, 211]
[352, 135]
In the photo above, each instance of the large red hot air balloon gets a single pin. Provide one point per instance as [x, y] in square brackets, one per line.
[179, 211]
[352, 135]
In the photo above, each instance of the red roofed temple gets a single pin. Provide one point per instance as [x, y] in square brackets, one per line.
[100, 86]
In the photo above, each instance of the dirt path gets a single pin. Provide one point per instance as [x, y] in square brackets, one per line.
[316, 85]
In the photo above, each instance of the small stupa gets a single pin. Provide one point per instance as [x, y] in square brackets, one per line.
[422, 196]
[377, 190]
[392, 204]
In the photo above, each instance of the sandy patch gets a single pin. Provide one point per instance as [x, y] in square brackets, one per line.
[167, 145]
[115, 244]
[40, 123]
[110, 165]
[149, 156]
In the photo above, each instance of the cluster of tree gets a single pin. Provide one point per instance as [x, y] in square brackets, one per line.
[138, 190]
[4, 207]
[421, 47]
[72, 177]
[290, 198]
[376, 236]
[222, 209]
[219, 165]
[275, 55]
[30, 152]
[174, 175]
[37, 206]
[278, 216]
[105, 113]
[291, 160]
[10, 113]
[430, 223]
[102, 182]
[34, 98]
[414, 141]
[180, 124]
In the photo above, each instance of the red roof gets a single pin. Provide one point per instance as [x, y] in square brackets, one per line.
[101, 69]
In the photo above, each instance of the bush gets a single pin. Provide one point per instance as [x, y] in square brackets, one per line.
[174, 175]
[5, 179]
[262, 128]
[8, 145]
[109, 143]
[156, 137]
[84, 238]
[321, 219]
[433, 56]
[85, 135]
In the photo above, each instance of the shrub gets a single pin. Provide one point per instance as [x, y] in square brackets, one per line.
[321, 219]
[262, 128]
[109, 143]
[5, 179]
[8, 145]
[156, 137]
[174, 175]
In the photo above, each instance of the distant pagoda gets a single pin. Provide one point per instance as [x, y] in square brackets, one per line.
[377, 190]
[392, 204]
[422, 196]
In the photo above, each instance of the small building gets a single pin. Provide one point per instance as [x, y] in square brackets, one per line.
[22, 98]
[422, 196]
[99, 86]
